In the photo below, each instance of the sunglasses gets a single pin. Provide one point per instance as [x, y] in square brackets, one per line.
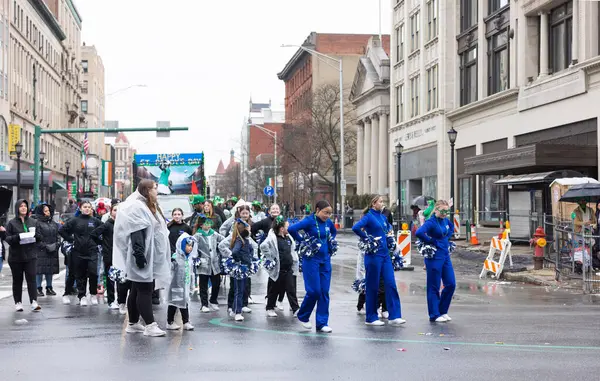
[443, 211]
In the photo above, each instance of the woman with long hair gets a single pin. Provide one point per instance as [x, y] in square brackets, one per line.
[436, 231]
[176, 228]
[103, 235]
[316, 268]
[209, 212]
[142, 250]
[47, 257]
[378, 264]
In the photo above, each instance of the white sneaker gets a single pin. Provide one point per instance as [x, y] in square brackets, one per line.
[385, 315]
[173, 327]
[398, 321]
[447, 317]
[239, 317]
[122, 309]
[306, 325]
[153, 330]
[246, 310]
[83, 302]
[327, 329]
[376, 323]
[94, 300]
[379, 315]
[230, 312]
[250, 300]
[35, 307]
[441, 319]
[188, 326]
[66, 300]
[19, 307]
[214, 307]
[135, 328]
[271, 313]
[205, 309]
[280, 306]
[113, 306]
[295, 313]
[361, 312]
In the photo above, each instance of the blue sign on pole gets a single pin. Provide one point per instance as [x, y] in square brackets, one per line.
[269, 191]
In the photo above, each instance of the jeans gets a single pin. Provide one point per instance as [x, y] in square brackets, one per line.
[185, 314]
[215, 281]
[18, 269]
[140, 302]
[239, 286]
[286, 283]
[247, 286]
[1, 263]
[40, 278]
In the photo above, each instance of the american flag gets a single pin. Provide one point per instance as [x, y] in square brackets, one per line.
[86, 144]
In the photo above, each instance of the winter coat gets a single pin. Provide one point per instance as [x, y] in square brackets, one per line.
[374, 224]
[210, 259]
[437, 232]
[139, 232]
[270, 251]
[181, 273]
[226, 226]
[259, 217]
[175, 231]
[49, 244]
[225, 246]
[315, 227]
[220, 212]
[103, 235]
[264, 225]
[16, 226]
[242, 251]
[78, 230]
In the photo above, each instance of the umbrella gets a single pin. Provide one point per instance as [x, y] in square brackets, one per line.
[583, 192]
[422, 200]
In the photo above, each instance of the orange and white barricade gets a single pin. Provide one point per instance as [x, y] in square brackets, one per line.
[490, 265]
[404, 245]
[456, 225]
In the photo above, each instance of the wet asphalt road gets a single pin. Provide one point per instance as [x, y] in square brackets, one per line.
[499, 331]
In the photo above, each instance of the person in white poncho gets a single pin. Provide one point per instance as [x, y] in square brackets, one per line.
[181, 282]
[141, 248]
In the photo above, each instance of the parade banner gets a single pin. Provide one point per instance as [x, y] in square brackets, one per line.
[14, 136]
[175, 173]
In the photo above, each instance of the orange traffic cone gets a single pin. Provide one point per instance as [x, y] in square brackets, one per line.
[337, 223]
[474, 240]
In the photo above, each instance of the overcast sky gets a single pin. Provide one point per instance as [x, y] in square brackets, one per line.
[202, 60]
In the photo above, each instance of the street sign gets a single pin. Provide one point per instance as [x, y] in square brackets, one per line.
[269, 191]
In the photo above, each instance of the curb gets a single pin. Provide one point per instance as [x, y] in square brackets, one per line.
[523, 278]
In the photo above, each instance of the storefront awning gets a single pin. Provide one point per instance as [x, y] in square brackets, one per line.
[56, 185]
[9, 179]
[533, 159]
[532, 178]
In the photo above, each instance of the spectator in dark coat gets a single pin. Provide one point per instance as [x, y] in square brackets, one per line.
[47, 256]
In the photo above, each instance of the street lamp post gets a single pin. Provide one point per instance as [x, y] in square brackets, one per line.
[399, 149]
[336, 161]
[273, 134]
[77, 173]
[452, 137]
[42, 157]
[67, 167]
[340, 68]
[19, 152]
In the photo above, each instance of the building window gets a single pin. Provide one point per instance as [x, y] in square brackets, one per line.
[430, 186]
[84, 65]
[468, 76]
[498, 62]
[399, 103]
[495, 5]
[415, 26]
[561, 36]
[84, 87]
[492, 198]
[468, 14]
[432, 88]
[414, 96]
[465, 194]
[432, 19]
[400, 43]
[84, 106]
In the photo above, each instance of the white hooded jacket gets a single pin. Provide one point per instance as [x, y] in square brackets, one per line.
[270, 251]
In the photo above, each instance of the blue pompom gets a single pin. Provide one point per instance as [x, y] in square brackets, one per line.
[397, 261]
[308, 246]
[359, 286]
[227, 265]
[260, 237]
[369, 245]
[427, 251]
[269, 264]
[116, 275]
[451, 247]
[66, 247]
[196, 262]
[391, 243]
[333, 245]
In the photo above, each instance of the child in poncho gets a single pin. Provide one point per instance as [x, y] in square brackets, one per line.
[181, 281]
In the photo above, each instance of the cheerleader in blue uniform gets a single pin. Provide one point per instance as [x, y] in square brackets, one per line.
[316, 266]
[375, 228]
[436, 232]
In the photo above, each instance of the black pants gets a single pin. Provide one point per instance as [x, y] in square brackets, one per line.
[185, 314]
[247, 288]
[286, 283]
[110, 285]
[86, 269]
[70, 279]
[140, 302]
[18, 269]
[215, 281]
[282, 291]
[122, 290]
[362, 298]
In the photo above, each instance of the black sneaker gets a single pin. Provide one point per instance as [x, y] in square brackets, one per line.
[40, 292]
[50, 291]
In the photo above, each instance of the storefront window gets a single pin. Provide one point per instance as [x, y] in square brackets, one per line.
[492, 198]
[430, 186]
[465, 202]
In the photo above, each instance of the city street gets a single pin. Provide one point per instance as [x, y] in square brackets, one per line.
[499, 330]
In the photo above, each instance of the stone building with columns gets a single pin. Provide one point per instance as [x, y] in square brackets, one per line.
[527, 91]
[370, 94]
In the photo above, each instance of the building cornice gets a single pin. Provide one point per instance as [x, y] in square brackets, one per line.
[75, 13]
[49, 18]
[378, 88]
[417, 120]
[484, 104]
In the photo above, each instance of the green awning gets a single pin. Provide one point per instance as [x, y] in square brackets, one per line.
[56, 185]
